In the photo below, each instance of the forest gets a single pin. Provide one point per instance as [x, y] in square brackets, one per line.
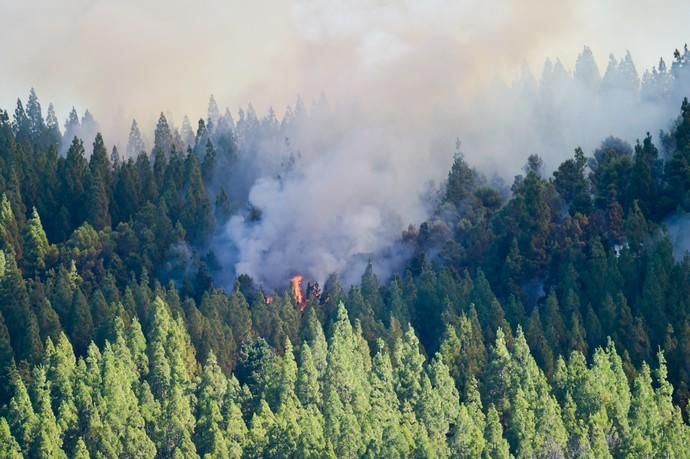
[548, 318]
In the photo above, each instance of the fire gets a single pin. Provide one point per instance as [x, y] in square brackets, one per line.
[312, 294]
[296, 283]
[269, 299]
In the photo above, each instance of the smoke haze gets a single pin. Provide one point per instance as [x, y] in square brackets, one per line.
[403, 80]
[126, 58]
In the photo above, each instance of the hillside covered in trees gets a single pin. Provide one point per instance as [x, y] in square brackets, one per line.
[548, 318]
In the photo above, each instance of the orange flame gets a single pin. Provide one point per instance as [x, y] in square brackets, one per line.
[296, 283]
[269, 299]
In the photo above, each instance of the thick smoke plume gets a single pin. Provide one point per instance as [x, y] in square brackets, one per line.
[359, 178]
[336, 184]
[342, 192]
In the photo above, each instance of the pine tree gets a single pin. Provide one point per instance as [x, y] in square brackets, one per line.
[213, 111]
[474, 358]
[208, 164]
[512, 273]
[47, 318]
[33, 113]
[496, 446]
[54, 134]
[384, 417]
[73, 176]
[577, 340]
[163, 140]
[187, 133]
[10, 448]
[593, 328]
[135, 144]
[461, 180]
[89, 126]
[468, 438]
[81, 452]
[643, 417]
[19, 318]
[239, 317]
[209, 435]
[284, 435]
[522, 429]
[451, 350]
[72, 127]
[312, 442]
[611, 385]
[349, 440]
[22, 418]
[10, 241]
[60, 369]
[551, 437]
[80, 322]
[396, 305]
[444, 387]
[47, 441]
[196, 216]
[408, 374]
[170, 383]
[21, 124]
[674, 432]
[553, 323]
[308, 388]
[371, 291]
[361, 311]
[345, 387]
[235, 429]
[122, 413]
[97, 213]
[6, 362]
[539, 343]
[223, 206]
[136, 342]
[261, 423]
[498, 378]
[586, 70]
[312, 334]
[99, 164]
[36, 246]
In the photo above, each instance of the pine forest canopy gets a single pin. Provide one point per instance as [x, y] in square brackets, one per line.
[548, 318]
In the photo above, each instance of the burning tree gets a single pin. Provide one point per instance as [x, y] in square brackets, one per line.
[313, 292]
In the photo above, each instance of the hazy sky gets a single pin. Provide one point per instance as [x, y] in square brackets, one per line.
[124, 58]
[405, 77]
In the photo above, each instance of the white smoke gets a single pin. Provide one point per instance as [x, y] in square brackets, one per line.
[678, 226]
[354, 186]
[361, 174]
[405, 79]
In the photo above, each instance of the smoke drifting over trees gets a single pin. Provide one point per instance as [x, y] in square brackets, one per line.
[412, 258]
[562, 109]
[360, 180]
[323, 189]
[403, 81]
